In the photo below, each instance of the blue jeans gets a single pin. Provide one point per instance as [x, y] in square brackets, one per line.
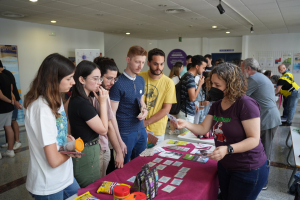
[285, 104]
[15, 114]
[242, 185]
[64, 194]
[136, 143]
[293, 101]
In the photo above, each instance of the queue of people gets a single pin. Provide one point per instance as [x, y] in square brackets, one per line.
[114, 114]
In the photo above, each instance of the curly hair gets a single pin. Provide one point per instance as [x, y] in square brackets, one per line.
[236, 83]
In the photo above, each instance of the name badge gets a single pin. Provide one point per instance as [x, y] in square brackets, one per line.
[141, 91]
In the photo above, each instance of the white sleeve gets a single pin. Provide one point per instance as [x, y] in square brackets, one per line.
[45, 125]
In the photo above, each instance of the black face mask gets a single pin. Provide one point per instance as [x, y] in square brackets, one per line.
[215, 94]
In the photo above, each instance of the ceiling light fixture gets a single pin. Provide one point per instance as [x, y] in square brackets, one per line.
[227, 32]
[251, 29]
[139, 24]
[33, 0]
[127, 33]
[53, 21]
[162, 5]
[220, 8]
[214, 27]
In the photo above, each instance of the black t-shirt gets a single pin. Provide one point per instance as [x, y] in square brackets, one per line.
[5, 85]
[80, 111]
[285, 84]
[13, 81]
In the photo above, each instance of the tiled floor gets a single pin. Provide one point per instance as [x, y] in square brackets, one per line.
[13, 170]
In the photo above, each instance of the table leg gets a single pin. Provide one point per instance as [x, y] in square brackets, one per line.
[287, 139]
[292, 177]
[287, 160]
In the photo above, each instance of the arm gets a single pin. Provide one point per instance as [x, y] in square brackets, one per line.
[112, 136]
[277, 90]
[4, 98]
[114, 106]
[194, 93]
[159, 115]
[144, 109]
[199, 129]
[54, 158]
[116, 128]
[252, 129]
[252, 86]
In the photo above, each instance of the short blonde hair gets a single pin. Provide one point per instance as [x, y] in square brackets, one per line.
[136, 50]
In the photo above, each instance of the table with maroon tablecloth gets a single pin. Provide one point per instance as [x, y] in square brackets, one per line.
[200, 182]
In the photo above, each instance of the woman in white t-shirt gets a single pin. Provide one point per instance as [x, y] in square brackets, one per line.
[50, 173]
[175, 76]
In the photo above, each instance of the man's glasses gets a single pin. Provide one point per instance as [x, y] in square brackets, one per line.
[110, 79]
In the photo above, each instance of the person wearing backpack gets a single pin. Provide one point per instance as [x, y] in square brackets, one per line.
[188, 91]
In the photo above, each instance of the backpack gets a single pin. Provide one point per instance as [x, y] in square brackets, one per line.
[175, 109]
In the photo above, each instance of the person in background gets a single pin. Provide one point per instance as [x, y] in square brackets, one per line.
[274, 79]
[127, 102]
[290, 89]
[175, 72]
[85, 121]
[17, 106]
[268, 73]
[113, 140]
[188, 60]
[175, 76]
[219, 61]
[6, 111]
[188, 66]
[159, 94]
[50, 173]
[200, 102]
[209, 67]
[234, 118]
[262, 90]
[189, 92]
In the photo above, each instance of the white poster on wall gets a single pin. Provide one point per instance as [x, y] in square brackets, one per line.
[270, 62]
[86, 54]
[262, 61]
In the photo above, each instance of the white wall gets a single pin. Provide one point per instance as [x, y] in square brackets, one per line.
[215, 44]
[288, 42]
[34, 44]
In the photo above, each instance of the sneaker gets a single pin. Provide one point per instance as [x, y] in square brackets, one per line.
[286, 124]
[265, 187]
[17, 145]
[4, 145]
[171, 132]
[9, 153]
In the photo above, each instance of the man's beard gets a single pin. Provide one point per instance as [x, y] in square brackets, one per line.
[153, 72]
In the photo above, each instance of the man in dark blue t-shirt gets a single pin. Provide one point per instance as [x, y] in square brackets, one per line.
[127, 102]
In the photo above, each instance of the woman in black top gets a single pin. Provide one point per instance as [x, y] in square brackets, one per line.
[85, 122]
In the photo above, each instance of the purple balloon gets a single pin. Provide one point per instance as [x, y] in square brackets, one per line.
[176, 55]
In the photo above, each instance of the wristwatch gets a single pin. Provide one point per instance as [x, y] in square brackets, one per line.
[230, 149]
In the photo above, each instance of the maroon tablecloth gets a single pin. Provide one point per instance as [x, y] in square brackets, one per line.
[200, 182]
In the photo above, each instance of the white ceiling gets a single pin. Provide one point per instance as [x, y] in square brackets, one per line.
[146, 19]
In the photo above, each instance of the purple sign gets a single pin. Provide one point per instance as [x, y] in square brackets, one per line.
[176, 55]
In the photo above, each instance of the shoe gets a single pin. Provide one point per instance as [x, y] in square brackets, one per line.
[286, 124]
[4, 145]
[17, 145]
[265, 187]
[171, 132]
[9, 153]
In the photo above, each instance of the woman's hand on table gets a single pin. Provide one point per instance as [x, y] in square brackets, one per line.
[119, 161]
[219, 153]
[181, 123]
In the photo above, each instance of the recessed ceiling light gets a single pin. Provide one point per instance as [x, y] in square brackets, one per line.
[214, 27]
[53, 21]
[33, 0]
[127, 33]
[167, 30]
[139, 24]
[227, 32]
[162, 5]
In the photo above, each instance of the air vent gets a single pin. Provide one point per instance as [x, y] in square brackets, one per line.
[174, 11]
[12, 15]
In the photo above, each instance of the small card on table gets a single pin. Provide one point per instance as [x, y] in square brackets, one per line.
[164, 179]
[168, 162]
[151, 164]
[176, 181]
[184, 169]
[177, 163]
[132, 179]
[180, 175]
[157, 160]
[161, 167]
[168, 188]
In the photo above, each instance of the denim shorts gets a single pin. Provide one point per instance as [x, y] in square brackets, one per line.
[15, 114]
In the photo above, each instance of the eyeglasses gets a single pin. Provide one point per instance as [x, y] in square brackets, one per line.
[97, 80]
[110, 79]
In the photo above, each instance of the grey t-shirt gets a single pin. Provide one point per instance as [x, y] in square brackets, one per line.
[262, 90]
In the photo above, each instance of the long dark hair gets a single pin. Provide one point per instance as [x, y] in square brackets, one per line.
[84, 68]
[46, 83]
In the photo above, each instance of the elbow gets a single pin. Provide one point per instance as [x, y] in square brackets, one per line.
[103, 132]
[53, 165]
[192, 99]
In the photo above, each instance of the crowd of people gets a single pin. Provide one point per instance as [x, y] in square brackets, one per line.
[113, 113]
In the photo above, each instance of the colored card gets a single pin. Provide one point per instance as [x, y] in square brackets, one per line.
[177, 163]
[151, 164]
[157, 160]
[161, 167]
[176, 181]
[180, 175]
[168, 188]
[164, 179]
[184, 169]
[168, 162]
